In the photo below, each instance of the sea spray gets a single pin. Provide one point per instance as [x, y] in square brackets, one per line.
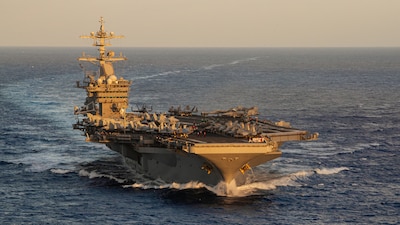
[222, 189]
[60, 171]
[94, 174]
[329, 171]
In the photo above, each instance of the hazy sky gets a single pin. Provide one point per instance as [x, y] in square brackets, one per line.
[204, 23]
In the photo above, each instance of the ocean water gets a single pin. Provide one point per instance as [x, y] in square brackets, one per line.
[350, 96]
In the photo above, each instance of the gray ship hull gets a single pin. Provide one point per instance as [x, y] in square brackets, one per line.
[168, 164]
[210, 167]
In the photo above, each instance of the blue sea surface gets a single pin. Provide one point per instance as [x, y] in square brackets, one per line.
[350, 175]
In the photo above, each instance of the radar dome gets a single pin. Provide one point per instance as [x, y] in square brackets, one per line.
[100, 80]
[111, 79]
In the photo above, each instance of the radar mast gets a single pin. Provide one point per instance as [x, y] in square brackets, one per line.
[107, 96]
[99, 40]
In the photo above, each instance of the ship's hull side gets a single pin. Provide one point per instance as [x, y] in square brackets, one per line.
[209, 167]
[167, 164]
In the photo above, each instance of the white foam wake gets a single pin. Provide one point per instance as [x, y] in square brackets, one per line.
[210, 67]
[60, 171]
[231, 189]
[243, 60]
[256, 187]
[159, 184]
[94, 174]
[329, 171]
[158, 75]
[294, 179]
[207, 67]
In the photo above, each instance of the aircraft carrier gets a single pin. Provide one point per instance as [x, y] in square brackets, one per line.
[182, 145]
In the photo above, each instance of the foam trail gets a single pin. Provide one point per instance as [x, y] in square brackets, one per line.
[158, 75]
[95, 174]
[210, 67]
[60, 171]
[329, 171]
[222, 189]
[254, 187]
[159, 184]
[243, 60]
[283, 181]
[228, 190]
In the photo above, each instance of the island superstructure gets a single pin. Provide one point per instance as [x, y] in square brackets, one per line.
[182, 145]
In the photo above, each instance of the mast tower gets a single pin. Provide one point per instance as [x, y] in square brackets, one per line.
[107, 96]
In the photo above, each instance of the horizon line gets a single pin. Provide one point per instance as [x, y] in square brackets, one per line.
[80, 46]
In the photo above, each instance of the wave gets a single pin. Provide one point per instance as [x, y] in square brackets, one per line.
[232, 190]
[48, 157]
[228, 190]
[267, 185]
[61, 171]
[37, 162]
[258, 183]
[159, 184]
[328, 149]
[95, 174]
[329, 171]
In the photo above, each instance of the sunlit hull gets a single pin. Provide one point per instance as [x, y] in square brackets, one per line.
[209, 165]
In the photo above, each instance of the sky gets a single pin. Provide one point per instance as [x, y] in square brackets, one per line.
[204, 23]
